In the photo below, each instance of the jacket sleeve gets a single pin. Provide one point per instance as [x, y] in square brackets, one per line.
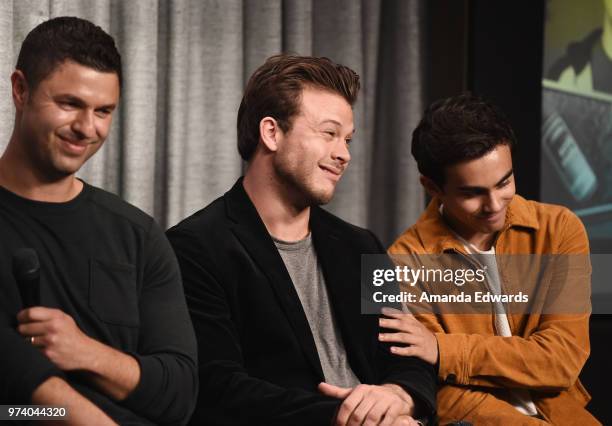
[228, 394]
[415, 376]
[549, 359]
[481, 407]
[166, 353]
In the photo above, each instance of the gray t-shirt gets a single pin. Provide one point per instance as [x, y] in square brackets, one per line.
[305, 271]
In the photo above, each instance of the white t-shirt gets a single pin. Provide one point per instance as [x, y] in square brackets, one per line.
[520, 398]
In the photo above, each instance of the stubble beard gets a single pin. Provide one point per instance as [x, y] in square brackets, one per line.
[300, 184]
[48, 160]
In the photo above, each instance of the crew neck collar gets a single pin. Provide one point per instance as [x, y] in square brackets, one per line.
[47, 206]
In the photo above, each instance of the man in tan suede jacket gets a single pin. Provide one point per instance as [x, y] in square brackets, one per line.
[515, 369]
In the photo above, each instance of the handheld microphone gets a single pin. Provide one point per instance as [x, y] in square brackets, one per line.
[26, 270]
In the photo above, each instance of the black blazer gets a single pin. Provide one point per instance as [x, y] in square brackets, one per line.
[258, 362]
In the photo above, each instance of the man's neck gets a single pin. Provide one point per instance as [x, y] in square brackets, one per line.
[21, 177]
[283, 220]
[482, 241]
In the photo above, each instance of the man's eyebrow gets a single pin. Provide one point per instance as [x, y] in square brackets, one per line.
[506, 176]
[70, 98]
[109, 106]
[480, 188]
[330, 120]
[337, 123]
[80, 102]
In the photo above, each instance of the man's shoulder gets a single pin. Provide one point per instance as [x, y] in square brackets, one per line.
[113, 205]
[341, 227]
[421, 236]
[210, 218]
[204, 232]
[544, 217]
[406, 242]
[545, 228]
[549, 221]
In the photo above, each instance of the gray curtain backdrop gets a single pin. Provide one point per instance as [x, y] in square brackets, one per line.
[172, 148]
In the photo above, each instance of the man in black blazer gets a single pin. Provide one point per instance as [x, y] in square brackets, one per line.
[273, 281]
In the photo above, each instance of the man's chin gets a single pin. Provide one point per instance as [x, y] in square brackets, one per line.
[321, 197]
[66, 168]
[489, 228]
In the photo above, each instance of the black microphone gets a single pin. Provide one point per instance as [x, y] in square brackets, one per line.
[26, 270]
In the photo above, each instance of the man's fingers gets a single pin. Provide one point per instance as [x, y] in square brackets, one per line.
[377, 414]
[391, 416]
[37, 313]
[390, 311]
[397, 314]
[407, 338]
[404, 421]
[360, 413]
[25, 315]
[334, 391]
[38, 341]
[396, 324]
[406, 351]
[390, 323]
[349, 405]
[32, 328]
[387, 420]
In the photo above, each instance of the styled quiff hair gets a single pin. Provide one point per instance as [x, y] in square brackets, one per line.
[275, 88]
[458, 129]
[62, 39]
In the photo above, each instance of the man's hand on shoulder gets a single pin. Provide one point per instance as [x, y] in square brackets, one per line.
[385, 405]
[421, 342]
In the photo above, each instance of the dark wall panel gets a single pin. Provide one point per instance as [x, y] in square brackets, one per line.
[505, 43]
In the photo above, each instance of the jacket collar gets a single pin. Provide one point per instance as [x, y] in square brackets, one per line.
[252, 233]
[437, 237]
[241, 210]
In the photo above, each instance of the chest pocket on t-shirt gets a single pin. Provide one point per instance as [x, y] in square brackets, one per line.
[112, 292]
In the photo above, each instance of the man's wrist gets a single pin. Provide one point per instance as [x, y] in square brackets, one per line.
[90, 356]
[115, 373]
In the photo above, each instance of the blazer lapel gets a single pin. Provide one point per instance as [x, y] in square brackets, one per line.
[252, 233]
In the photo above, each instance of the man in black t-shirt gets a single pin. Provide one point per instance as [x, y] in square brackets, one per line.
[107, 335]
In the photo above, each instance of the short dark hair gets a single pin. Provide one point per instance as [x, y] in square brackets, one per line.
[275, 90]
[66, 38]
[457, 129]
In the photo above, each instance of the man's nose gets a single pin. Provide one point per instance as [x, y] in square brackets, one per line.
[494, 203]
[84, 125]
[341, 152]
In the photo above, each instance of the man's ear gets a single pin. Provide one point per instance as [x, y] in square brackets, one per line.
[20, 89]
[270, 133]
[430, 186]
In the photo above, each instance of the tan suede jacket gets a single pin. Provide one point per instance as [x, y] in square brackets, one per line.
[545, 353]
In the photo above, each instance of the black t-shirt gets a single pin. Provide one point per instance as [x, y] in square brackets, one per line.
[110, 267]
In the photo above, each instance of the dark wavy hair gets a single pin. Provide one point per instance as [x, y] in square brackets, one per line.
[458, 129]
